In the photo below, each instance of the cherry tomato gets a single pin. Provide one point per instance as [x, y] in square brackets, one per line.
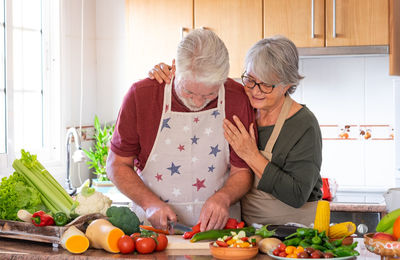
[282, 254]
[162, 242]
[145, 245]
[290, 249]
[282, 247]
[276, 252]
[126, 244]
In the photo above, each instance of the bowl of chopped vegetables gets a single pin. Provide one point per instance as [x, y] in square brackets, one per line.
[382, 247]
[236, 246]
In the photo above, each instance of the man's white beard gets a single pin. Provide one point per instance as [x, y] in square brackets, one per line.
[189, 103]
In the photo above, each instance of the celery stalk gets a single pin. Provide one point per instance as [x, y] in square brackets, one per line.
[54, 182]
[45, 201]
[53, 195]
[43, 187]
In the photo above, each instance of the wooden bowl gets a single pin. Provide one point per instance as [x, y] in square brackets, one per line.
[382, 247]
[233, 252]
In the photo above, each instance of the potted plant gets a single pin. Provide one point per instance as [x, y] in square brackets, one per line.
[98, 154]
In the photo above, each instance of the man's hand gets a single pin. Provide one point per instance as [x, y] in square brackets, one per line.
[162, 72]
[215, 213]
[159, 215]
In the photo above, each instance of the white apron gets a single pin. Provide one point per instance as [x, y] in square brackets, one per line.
[263, 208]
[189, 160]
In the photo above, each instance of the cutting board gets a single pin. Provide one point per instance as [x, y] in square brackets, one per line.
[178, 242]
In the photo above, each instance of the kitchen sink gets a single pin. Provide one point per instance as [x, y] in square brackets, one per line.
[366, 222]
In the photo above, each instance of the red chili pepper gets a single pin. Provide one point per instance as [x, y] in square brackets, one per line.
[40, 219]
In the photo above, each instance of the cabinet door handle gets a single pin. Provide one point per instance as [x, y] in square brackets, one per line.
[183, 29]
[334, 19]
[312, 19]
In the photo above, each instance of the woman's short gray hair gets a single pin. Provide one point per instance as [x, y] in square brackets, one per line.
[275, 60]
[202, 57]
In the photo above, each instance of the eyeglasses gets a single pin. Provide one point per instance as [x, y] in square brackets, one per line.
[208, 96]
[250, 83]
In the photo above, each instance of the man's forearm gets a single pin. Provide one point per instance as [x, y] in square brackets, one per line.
[131, 185]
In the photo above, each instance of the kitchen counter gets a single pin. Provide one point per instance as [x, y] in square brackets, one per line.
[359, 207]
[24, 250]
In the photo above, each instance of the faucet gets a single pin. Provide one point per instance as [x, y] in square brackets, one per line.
[78, 156]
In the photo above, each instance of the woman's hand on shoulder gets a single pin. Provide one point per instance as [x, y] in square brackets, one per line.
[242, 141]
[162, 72]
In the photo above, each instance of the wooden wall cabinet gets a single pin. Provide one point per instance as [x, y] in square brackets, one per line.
[325, 23]
[238, 23]
[155, 29]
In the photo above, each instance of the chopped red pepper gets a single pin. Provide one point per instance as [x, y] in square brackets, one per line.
[41, 218]
[240, 225]
[190, 234]
[196, 228]
[231, 224]
[222, 244]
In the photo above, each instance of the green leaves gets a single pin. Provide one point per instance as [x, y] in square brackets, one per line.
[16, 194]
[98, 155]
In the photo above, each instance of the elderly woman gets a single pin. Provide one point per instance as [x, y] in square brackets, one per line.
[287, 159]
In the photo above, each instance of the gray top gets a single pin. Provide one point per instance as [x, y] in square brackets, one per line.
[293, 175]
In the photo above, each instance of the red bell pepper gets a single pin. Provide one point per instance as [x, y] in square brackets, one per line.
[231, 224]
[41, 218]
[240, 225]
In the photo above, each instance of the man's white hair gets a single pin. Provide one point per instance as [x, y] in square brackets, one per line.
[202, 57]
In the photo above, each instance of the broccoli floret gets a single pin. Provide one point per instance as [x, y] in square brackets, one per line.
[123, 218]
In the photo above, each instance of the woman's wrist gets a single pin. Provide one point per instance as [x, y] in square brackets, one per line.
[258, 163]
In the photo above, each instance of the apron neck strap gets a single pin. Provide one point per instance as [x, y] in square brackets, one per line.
[278, 126]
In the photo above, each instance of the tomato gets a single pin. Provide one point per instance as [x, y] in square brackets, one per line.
[135, 236]
[162, 242]
[282, 247]
[145, 245]
[396, 228]
[276, 252]
[282, 254]
[126, 244]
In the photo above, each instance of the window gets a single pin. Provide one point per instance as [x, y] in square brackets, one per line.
[29, 100]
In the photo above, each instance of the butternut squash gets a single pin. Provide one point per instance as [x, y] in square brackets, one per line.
[74, 240]
[103, 235]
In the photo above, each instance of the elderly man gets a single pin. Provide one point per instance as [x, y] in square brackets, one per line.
[168, 152]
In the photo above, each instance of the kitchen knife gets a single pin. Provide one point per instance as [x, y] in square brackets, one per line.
[178, 228]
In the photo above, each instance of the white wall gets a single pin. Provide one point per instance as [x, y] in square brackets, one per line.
[356, 91]
[111, 54]
[104, 69]
[71, 26]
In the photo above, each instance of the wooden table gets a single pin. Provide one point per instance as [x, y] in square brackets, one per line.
[21, 249]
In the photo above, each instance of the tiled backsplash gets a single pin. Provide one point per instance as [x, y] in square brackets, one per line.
[352, 98]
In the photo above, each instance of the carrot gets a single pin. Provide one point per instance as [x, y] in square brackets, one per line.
[150, 228]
